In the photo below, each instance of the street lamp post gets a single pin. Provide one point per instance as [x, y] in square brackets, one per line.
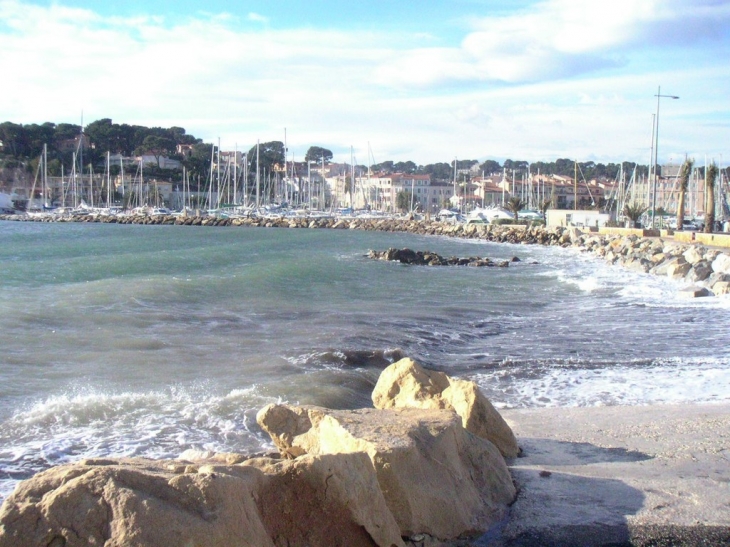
[656, 153]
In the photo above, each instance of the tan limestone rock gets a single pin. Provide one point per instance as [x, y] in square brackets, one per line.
[694, 254]
[312, 501]
[721, 287]
[406, 384]
[325, 500]
[678, 270]
[436, 478]
[132, 502]
[721, 264]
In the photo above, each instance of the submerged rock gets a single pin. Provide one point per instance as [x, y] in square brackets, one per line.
[695, 292]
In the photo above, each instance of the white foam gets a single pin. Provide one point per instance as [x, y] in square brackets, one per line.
[560, 385]
[156, 424]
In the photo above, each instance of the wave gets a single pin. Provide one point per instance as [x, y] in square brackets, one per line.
[154, 424]
[571, 383]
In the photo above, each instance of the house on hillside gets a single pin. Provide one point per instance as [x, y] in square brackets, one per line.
[162, 162]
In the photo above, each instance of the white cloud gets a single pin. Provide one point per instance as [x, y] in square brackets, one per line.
[561, 38]
[338, 89]
[257, 18]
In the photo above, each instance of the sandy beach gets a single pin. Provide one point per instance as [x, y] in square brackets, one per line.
[648, 475]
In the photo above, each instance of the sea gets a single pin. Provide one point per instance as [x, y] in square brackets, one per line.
[133, 340]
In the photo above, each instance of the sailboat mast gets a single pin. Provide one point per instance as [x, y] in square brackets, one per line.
[74, 187]
[286, 171]
[121, 173]
[141, 181]
[108, 179]
[258, 178]
[45, 174]
[210, 177]
[219, 194]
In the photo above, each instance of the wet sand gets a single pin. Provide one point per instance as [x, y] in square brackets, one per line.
[650, 475]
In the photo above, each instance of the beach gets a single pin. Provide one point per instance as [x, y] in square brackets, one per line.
[149, 341]
[621, 475]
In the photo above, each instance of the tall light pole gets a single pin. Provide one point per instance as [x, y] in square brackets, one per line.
[656, 152]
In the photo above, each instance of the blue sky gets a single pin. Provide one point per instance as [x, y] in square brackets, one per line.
[422, 81]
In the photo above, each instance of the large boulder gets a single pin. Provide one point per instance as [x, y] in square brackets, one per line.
[311, 501]
[721, 287]
[694, 254]
[406, 384]
[678, 270]
[661, 268]
[721, 264]
[132, 502]
[436, 478]
[700, 271]
[325, 500]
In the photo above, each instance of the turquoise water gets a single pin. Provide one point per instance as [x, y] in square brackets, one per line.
[149, 340]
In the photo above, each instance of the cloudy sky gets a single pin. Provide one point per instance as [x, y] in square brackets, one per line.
[425, 81]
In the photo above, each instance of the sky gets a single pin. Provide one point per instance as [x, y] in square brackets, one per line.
[426, 81]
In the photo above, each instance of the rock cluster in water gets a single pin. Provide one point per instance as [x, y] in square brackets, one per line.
[427, 258]
[425, 466]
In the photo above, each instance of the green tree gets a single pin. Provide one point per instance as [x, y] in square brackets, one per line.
[317, 154]
[37, 136]
[14, 139]
[633, 212]
[403, 200]
[384, 167]
[157, 146]
[515, 165]
[198, 163]
[405, 167]
[440, 172]
[270, 154]
[490, 167]
[515, 205]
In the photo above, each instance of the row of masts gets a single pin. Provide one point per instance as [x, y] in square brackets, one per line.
[227, 186]
[638, 190]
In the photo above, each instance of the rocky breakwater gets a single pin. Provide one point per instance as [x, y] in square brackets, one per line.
[425, 467]
[428, 258]
[706, 270]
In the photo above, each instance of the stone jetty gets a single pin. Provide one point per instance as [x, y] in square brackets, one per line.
[706, 270]
[424, 467]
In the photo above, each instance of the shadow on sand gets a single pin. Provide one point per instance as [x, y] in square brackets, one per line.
[560, 504]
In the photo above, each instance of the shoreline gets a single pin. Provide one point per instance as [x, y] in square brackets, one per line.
[637, 475]
[621, 475]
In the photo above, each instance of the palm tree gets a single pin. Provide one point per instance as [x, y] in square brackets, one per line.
[634, 211]
[710, 176]
[684, 174]
[515, 205]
